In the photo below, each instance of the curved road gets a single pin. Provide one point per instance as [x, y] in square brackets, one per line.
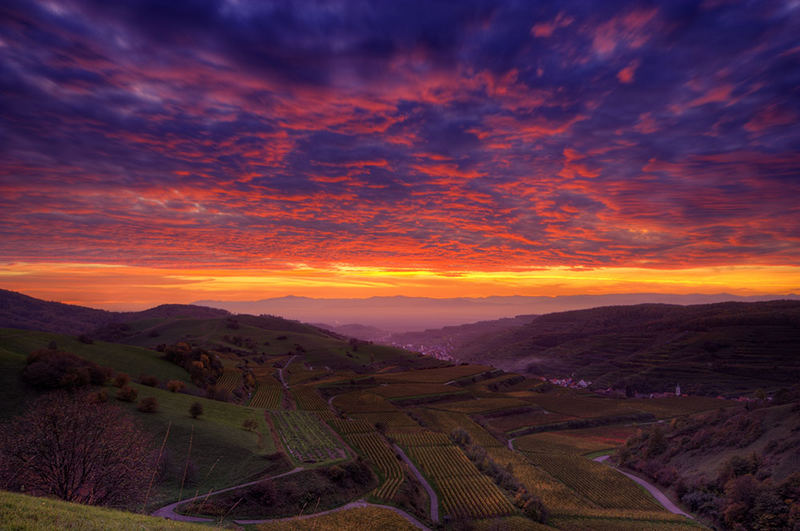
[652, 489]
[168, 511]
[431, 493]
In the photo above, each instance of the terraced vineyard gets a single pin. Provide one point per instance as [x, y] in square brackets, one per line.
[420, 438]
[464, 491]
[230, 380]
[601, 484]
[347, 427]
[267, 397]
[375, 448]
[308, 398]
[307, 438]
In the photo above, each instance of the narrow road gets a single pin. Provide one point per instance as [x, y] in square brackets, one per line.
[652, 489]
[424, 482]
[352, 505]
[280, 371]
[168, 511]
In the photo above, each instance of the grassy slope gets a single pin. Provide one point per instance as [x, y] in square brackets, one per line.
[272, 337]
[222, 452]
[20, 512]
[121, 358]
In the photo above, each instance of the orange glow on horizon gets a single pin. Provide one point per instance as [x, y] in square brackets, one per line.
[121, 287]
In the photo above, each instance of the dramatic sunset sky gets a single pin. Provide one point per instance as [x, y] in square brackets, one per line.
[168, 151]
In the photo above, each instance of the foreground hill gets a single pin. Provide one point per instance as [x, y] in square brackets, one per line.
[725, 348]
[18, 511]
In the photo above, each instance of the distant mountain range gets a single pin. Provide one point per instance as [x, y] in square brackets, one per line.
[402, 314]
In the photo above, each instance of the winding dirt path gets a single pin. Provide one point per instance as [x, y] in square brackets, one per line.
[424, 482]
[652, 489]
[280, 371]
[168, 511]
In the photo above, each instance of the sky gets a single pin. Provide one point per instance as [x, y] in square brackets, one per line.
[158, 151]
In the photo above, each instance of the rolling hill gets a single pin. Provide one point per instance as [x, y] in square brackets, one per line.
[726, 348]
[20, 311]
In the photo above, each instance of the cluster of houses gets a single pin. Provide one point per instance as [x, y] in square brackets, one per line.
[569, 382]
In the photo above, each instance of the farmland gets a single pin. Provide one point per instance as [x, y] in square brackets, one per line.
[465, 492]
[306, 438]
[267, 397]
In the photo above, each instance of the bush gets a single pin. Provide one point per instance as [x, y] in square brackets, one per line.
[55, 369]
[250, 424]
[148, 405]
[127, 394]
[176, 386]
[99, 397]
[196, 409]
[148, 380]
[121, 380]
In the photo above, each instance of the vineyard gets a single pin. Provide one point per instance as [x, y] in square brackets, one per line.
[361, 402]
[439, 375]
[464, 491]
[308, 398]
[394, 420]
[447, 421]
[375, 448]
[230, 380]
[306, 437]
[267, 397]
[581, 441]
[420, 438]
[347, 427]
[484, 405]
[599, 483]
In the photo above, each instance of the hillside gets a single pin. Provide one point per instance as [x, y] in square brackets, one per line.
[727, 348]
[737, 466]
[18, 511]
[20, 311]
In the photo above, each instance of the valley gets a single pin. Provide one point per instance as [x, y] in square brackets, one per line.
[267, 422]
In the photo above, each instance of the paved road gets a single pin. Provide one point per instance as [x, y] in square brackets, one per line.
[424, 482]
[169, 510]
[652, 489]
[352, 505]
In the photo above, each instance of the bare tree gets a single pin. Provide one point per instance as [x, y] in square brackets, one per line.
[78, 450]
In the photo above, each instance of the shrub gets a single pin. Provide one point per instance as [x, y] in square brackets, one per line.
[121, 380]
[148, 405]
[54, 369]
[148, 380]
[196, 409]
[250, 424]
[127, 394]
[99, 397]
[176, 386]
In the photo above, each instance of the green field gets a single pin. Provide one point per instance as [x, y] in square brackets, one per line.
[19, 512]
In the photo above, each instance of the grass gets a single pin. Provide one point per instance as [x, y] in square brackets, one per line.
[21, 512]
[223, 453]
[122, 358]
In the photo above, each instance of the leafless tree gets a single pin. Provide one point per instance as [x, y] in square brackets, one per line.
[76, 449]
